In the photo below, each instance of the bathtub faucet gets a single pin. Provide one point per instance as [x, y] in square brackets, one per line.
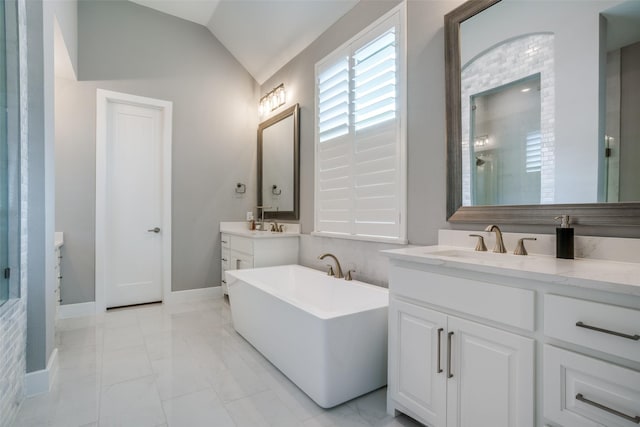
[338, 274]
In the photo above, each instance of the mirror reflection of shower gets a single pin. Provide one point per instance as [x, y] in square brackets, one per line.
[506, 148]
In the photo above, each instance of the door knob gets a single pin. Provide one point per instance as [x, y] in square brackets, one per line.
[154, 230]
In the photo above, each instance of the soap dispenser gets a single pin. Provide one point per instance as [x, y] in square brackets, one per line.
[564, 238]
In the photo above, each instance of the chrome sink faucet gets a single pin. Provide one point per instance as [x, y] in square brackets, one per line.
[338, 273]
[499, 247]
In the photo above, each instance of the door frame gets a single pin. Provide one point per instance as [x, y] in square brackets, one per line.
[103, 99]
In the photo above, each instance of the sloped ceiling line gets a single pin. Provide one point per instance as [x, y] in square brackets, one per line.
[263, 35]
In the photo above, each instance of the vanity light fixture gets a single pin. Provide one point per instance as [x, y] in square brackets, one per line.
[272, 100]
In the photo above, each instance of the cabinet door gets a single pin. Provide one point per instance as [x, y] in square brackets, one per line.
[417, 378]
[492, 377]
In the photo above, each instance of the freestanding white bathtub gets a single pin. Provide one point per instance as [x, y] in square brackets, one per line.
[328, 335]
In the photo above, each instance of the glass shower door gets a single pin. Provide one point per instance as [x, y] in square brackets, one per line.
[4, 164]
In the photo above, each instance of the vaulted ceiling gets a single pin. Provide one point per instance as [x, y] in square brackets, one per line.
[263, 35]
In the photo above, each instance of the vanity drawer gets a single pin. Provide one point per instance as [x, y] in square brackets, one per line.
[617, 328]
[580, 391]
[503, 304]
[242, 244]
[225, 240]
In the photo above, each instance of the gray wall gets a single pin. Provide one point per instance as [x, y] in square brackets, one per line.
[40, 333]
[136, 50]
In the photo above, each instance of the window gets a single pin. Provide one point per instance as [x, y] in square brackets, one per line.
[360, 144]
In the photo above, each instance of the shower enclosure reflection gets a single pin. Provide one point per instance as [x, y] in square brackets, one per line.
[583, 63]
[506, 155]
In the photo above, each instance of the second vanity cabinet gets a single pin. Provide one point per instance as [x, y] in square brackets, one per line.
[445, 370]
[254, 250]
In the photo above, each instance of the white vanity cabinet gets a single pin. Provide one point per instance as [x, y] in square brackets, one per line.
[483, 339]
[256, 249]
[445, 370]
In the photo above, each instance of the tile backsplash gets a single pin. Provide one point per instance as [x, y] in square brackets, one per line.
[365, 258]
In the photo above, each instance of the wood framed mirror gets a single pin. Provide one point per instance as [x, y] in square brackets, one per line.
[466, 142]
[279, 165]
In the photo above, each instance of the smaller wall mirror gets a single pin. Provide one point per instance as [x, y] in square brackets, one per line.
[279, 165]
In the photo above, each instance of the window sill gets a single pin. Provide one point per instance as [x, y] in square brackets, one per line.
[372, 239]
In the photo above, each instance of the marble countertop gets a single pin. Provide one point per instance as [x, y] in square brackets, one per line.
[604, 275]
[241, 229]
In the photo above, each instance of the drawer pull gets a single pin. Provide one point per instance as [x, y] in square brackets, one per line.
[224, 241]
[581, 398]
[224, 259]
[606, 331]
[439, 339]
[449, 373]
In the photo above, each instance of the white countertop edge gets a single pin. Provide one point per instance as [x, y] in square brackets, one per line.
[241, 228]
[260, 234]
[568, 277]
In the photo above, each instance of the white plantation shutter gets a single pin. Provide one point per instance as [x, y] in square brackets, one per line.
[333, 99]
[375, 81]
[533, 148]
[360, 173]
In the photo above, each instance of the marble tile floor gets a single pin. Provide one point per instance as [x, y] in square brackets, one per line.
[178, 365]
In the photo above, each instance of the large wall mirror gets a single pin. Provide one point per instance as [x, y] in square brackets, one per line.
[543, 111]
[278, 165]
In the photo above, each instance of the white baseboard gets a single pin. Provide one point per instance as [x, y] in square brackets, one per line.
[193, 295]
[89, 308]
[41, 381]
[76, 310]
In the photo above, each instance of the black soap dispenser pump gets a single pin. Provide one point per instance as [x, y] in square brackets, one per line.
[564, 238]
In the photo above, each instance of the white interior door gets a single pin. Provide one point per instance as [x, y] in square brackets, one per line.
[133, 234]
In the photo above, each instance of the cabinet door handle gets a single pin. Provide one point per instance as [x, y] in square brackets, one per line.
[224, 259]
[439, 339]
[223, 241]
[583, 399]
[449, 373]
[635, 337]
[238, 261]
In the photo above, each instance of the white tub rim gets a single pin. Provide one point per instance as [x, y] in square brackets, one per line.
[242, 275]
